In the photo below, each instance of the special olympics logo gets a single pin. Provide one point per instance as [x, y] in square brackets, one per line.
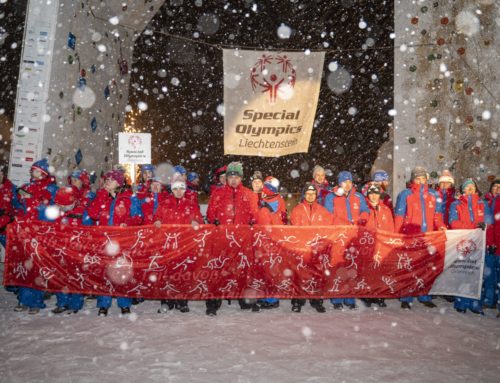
[466, 247]
[273, 74]
[134, 141]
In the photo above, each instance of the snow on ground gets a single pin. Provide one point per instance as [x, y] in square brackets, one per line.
[365, 345]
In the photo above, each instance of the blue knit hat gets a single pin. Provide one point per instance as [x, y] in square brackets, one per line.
[380, 175]
[468, 181]
[344, 176]
[42, 165]
[147, 167]
[192, 176]
[180, 169]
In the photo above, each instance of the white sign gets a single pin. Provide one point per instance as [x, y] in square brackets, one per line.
[134, 148]
[270, 101]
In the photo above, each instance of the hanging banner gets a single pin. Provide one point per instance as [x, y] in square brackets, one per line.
[270, 101]
[134, 148]
[182, 262]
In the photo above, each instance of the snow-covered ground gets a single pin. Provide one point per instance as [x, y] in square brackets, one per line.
[366, 345]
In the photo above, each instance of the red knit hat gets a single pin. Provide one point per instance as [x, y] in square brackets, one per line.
[65, 197]
[115, 175]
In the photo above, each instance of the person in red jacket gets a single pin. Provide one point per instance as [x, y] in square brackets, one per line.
[272, 211]
[179, 210]
[8, 201]
[113, 207]
[492, 261]
[218, 180]
[309, 213]
[381, 178]
[418, 210]
[153, 197]
[147, 174]
[348, 207]
[446, 191]
[320, 183]
[492, 191]
[79, 180]
[470, 212]
[232, 204]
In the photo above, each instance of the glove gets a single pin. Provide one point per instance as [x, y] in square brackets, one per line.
[492, 249]
[216, 222]
[481, 225]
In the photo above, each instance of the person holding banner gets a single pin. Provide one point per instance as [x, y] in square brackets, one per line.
[217, 180]
[446, 191]
[381, 178]
[147, 174]
[492, 260]
[72, 212]
[309, 213]
[34, 197]
[418, 210]
[470, 212]
[113, 207]
[79, 181]
[152, 198]
[348, 207]
[179, 210]
[232, 204]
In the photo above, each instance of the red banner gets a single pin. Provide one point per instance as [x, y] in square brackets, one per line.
[186, 262]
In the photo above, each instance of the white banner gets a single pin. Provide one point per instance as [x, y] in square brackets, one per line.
[270, 101]
[134, 148]
[463, 266]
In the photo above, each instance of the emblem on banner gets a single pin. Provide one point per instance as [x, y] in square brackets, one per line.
[135, 141]
[466, 247]
[273, 74]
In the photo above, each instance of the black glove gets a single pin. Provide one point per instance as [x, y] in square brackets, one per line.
[492, 249]
[481, 225]
[216, 222]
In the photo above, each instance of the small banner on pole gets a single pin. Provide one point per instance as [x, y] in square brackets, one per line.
[134, 148]
[270, 101]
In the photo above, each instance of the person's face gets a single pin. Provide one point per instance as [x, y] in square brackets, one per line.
[76, 182]
[156, 187]
[310, 196]
[495, 189]
[147, 175]
[470, 189]
[257, 185]
[319, 177]
[178, 192]
[110, 184]
[346, 185]
[196, 181]
[374, 198]
[222, 179]
[444, 185]
[420, 180]
[234, 181]
[36, 174]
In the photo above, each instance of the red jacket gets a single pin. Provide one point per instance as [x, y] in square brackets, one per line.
[348, 209]
[7, 197]
[306, 214]
[418, 210]
[272, 211]
[109, 211]
[380, 217]
[177, 211]
[229, 205]
[150, 205]
[42, 194]
[73, 217]
[447, 197]
[468, 211]
[495, 211]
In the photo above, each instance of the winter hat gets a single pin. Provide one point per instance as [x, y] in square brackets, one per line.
[468, 181]
[344, 176]
[380, 176]
[42, 165]
[446, 176]
[82, 175]
[257, 175]
[116, 175]
[235, 169]
[147, 167]
[309, 187]
[180, 169]
[192, 176]
[65, 197]
[177, 182]
[317, 169]
[271, 186]
[419, 171]
[220, 171]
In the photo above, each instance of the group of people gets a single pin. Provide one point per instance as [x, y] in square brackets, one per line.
[419, 208]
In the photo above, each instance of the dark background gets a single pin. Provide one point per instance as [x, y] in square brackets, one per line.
[184, 121]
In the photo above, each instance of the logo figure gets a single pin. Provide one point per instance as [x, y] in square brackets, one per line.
[134, 141]
[273, 74]
[466, 247]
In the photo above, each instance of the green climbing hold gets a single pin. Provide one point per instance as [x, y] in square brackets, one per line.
[412, 140]
[431, 57]
[434, 103]
[434, 175]
[413, 68]
[424, 9]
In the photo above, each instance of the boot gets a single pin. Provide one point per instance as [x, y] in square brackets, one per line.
[69, 312]
[136, 301]
[212, 306]
[351, 306]
[405, 306]
[33, 310]
[429, 304]
[317, 304]
[182, 306]
[296, 307]
[103, 312]
[246, 304]
[368, 302]
[267, 306]
[381, 302]
[125, 310]
[20, 308]
[338, 306]
[59, 310]
[255, 308]
[462, 311]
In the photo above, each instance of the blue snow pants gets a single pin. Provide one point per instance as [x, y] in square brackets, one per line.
[104, 301]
